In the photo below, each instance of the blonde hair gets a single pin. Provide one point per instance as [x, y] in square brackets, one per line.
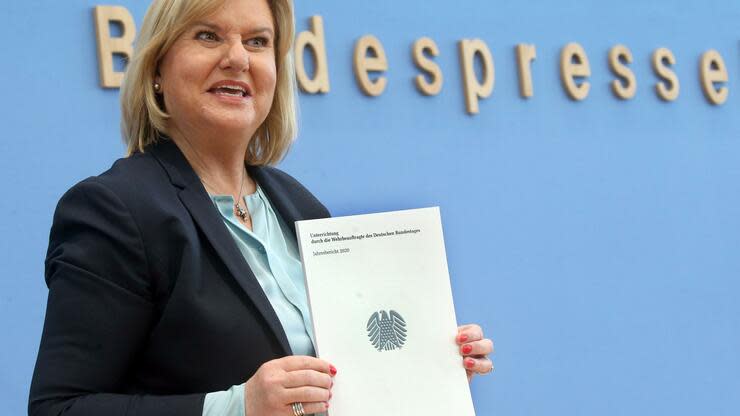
[144, 120]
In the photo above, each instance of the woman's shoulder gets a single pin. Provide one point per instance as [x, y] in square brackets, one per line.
[135, 173]
[131, 181]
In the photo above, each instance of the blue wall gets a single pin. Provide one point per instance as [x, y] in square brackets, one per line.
[597, 242]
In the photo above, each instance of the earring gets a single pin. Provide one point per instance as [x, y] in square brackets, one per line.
[157, 87]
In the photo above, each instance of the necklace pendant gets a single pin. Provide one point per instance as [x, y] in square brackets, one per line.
[241, 212]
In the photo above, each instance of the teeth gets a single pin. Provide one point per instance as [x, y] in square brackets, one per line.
[234, 87]
[232, 90]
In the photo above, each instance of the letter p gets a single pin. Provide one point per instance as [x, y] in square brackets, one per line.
[475, 89]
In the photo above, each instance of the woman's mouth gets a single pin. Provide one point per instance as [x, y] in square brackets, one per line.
[232, 89]
[229, 91]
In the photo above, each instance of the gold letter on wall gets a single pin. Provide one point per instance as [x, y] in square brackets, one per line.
[574, 63]
[475, 90]
[365, 64]
[108, 46]
[314, 39]
[422, 46]
[626, 86]
[713, 70]
[669, 88]
[525, 54]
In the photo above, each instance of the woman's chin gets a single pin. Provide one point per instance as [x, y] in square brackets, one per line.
[235, 124]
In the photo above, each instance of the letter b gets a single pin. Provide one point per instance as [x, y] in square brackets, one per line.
[108, 46]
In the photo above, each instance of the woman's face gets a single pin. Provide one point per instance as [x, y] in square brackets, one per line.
[220, 74]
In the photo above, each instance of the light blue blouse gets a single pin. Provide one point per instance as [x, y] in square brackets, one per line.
[271, 252]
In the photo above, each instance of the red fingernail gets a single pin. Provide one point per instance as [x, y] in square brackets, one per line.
[332, 370]
[466, 349]
[462, 338]
[469, 363]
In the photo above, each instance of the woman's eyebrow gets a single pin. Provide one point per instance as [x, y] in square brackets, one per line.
[216, 28]
[265, 29]
[209, 25]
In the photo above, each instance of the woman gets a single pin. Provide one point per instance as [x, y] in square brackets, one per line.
[174, 280]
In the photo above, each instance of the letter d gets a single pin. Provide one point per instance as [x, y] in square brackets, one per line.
[314, 39]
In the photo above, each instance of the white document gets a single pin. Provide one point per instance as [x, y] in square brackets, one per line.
[381, 303]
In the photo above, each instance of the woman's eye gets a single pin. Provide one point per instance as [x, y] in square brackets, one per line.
[206, 36]
[257, 42]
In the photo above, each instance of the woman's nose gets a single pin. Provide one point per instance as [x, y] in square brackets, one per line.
[236, 57]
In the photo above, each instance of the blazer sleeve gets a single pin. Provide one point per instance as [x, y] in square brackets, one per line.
[98, 314]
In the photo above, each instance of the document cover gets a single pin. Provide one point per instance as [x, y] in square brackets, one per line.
[381, 304]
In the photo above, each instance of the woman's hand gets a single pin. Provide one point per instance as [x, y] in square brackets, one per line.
[474, 349]
[279, 383]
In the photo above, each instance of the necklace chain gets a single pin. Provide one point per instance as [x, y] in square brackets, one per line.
[240, 211]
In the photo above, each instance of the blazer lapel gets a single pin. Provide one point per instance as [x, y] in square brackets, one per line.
[279, 199]
[195, 198]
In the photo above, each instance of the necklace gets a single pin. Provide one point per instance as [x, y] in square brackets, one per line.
[239, 211]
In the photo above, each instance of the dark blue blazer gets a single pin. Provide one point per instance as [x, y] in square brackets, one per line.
[151, 305]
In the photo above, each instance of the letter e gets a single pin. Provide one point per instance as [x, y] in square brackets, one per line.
[712, 69]
[574, 63]
[375, 62]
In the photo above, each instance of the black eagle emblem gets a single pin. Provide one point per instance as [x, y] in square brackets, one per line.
[386, 330]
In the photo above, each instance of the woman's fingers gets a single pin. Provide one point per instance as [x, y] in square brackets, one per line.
[295, 379]
[468, 333]
[482, 347]
[474, 347]
[306, 394]
[478, 365]
[314, 378]
[308, 381]
[309, 408]
[304, 362]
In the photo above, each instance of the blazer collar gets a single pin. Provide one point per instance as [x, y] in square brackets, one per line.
[178, 168]
[195, 198]
[182, 175]
[281, 199]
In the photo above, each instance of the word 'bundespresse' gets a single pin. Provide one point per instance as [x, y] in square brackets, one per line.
[370, 57]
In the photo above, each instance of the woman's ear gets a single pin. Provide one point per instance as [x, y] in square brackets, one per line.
[157, 84]
[159, 92]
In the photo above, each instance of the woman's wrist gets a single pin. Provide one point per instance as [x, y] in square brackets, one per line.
[229, 402]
